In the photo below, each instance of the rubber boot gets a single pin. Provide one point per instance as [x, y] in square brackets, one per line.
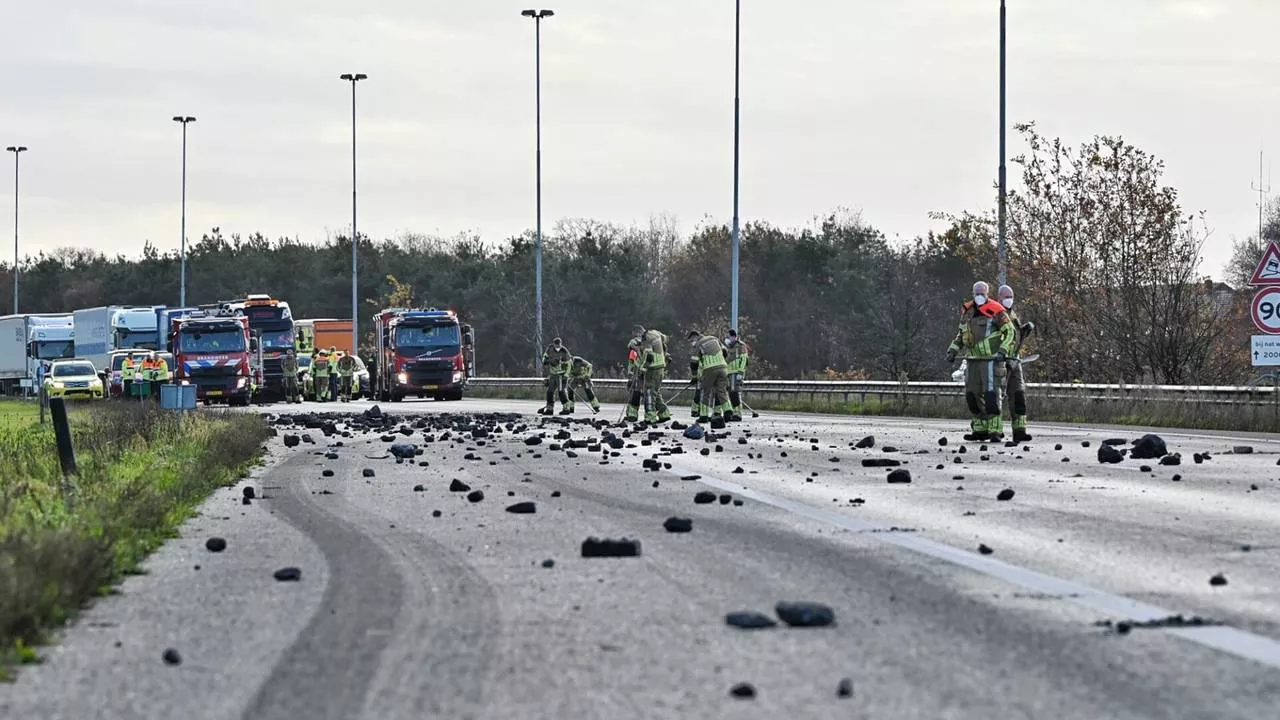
[595, 406]
[1020, 429]
[567, 410]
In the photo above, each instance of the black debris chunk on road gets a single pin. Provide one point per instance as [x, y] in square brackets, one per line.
[725, 498]
[331, 456]
[1176, 478]
[982, 548]
[248, 492]
[215, 544]
[1058, 446]
[533, 440]
[291, 440]
[1005, 494]
[678, 525]
[749, 620]
[1218, 580]
[1242, 449]
[737, 502]
[1174, 459]
[899, 476]
[458, 486]
[705, 497]
[288, 574]
[1149, 447]
[805, 614]
[327, 473]
[419, 488]
[844, 689]
[1108, 454]
[942, 441]
[555, 493]
[1173, 621]
[436, 513]
[522, 508]
[548, 563]
[404, 450]
[880, 462]
[367, 472]
[690, 477]
[738, 470]
[171, 657]
[651, 464]
[743, 691]
[246, 501]
[607, 547]
[475, 496]
[1145, 468]
[866, 442]
[1114, 441]
[889, 449]
[1085, 443]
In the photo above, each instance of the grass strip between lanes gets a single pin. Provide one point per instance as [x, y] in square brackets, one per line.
[142, 472]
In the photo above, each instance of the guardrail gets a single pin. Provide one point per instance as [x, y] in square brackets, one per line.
[861, 390]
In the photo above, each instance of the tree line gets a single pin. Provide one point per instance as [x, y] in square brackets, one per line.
[1102, 256]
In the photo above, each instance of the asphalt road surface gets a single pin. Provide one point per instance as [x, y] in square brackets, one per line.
[416, 604]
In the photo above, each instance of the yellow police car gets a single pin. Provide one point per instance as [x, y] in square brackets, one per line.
[73, 378]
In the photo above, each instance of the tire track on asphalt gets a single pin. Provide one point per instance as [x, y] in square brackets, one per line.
[404, 629]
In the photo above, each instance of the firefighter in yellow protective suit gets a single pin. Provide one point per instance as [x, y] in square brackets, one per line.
[321, 370]
[580, 378]
[1016, 383]
[648, 372]
[556, 360]
[289, 366]
[987, 337]
[738, 353]
[713, 398]
[346, 371]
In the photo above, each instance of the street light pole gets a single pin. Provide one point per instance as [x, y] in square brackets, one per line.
[16, 150]
[353, 78]
[1003, 250]
[737, 45]
[537, 16]
[182, 282]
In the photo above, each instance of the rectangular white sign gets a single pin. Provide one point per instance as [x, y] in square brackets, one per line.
[1265, 350]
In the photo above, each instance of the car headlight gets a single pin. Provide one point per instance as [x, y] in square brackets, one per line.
[96, 383]
[403, 378]
[58, 384]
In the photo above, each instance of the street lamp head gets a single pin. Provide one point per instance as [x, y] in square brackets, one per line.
[184, 119]
[17, 148]
[350, 77]
[537, 14]
[546, 13]
[529, 13]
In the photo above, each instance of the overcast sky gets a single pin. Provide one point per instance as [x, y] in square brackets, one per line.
[878, 106]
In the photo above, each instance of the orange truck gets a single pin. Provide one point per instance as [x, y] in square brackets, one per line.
[323, 333]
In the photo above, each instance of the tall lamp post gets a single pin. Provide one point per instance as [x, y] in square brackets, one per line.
[1002, 249]
[354, 78]
[737, 46]
[16, 150]
[537, 16]
[182, 282]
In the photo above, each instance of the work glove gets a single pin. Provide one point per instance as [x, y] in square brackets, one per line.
[951, 355]
[1000, 356]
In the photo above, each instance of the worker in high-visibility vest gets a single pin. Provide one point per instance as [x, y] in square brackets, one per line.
[128, 372]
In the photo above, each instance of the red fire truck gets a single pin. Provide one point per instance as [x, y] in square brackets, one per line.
[215, 351]
[421, 353]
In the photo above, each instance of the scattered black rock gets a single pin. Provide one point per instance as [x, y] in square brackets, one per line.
[458, 486]
[1145, 468]
[1058, 446]
[246, 501]
[475, 496]
[690, 477]
[1149, 447]
[1174, 459]
[291, 441]
[419, 488]
[743, 691]
[605, 547]
[1173, 621]
[171, 657]
[805, 614]
[866, 442]
[880, 462]
[1005, 494]
[555, 493]
[215, 544]
[900, 476]
[1085, 443]
[725, 498]
[749, 620]
[889, 449]
[982, 548]
[288, 574]
[404, 450]
[1176, 478]
[1242, 449]
[1114, 441]
[942, 441]
[367, 472]
[436, 513]
[523, 508]
[706, 497]
[738, 470]
[1108, 454]
[1218, 580]
[678, 525]
[1198, 458]
[844, 689]
[248, 492]
[331, 456]
[326, 473]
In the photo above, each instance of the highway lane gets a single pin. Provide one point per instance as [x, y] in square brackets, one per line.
[402, 614]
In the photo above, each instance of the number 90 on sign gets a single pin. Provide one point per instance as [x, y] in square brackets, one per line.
[1266, 310]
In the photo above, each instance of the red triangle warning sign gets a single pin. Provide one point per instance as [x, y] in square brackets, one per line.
[1268, 272]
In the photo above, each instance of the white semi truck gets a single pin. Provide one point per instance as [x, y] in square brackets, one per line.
[26, 341]
[101, 330]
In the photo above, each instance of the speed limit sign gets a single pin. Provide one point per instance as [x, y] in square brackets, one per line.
[1266, 310]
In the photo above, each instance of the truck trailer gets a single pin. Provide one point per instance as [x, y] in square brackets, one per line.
[28, 340]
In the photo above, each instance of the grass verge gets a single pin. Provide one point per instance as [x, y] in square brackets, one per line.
[1191, 414]
[142, 472]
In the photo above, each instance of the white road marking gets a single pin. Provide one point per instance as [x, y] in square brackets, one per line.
[1226, 639]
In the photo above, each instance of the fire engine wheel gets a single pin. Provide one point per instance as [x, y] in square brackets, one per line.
[397, 397]
[454, 395]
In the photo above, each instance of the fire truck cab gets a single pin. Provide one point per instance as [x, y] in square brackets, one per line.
[422, 353]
